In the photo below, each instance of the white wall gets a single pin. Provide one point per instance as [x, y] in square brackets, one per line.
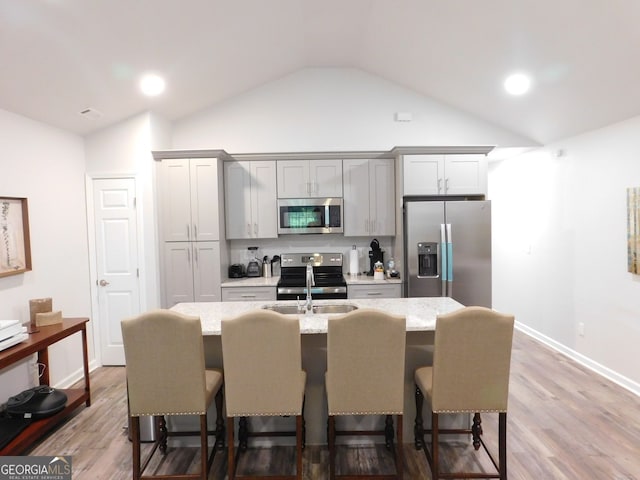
[332, 109]
[125, 149]
[560, 247]
[46, 165]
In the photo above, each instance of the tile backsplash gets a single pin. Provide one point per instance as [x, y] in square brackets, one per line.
[239, 253]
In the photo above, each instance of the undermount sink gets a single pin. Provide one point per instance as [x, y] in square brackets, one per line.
[336, 308]
[326, 309]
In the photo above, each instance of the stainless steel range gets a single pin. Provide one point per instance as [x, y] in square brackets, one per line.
[329, 283]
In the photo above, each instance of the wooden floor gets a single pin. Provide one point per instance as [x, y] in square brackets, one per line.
[565, 422]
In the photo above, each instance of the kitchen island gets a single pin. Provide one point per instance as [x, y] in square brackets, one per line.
[420, 314]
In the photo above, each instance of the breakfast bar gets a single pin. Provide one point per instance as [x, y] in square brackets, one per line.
[420, 314]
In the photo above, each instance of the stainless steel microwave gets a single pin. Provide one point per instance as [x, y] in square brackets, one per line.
[309, 215]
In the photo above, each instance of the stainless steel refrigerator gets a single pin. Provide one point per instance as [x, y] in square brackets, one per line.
[447, 250]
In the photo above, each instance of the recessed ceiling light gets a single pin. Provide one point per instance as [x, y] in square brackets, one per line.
[152, 84]
[517, 84]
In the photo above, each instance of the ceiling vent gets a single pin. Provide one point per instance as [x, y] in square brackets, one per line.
[91, 113]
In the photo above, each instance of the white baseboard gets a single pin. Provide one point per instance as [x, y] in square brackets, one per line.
[606, 372]
[76, 376]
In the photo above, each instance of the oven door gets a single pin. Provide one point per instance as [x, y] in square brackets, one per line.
[317, 293]
[309, 215]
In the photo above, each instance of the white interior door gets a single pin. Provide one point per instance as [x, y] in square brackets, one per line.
[116, 261]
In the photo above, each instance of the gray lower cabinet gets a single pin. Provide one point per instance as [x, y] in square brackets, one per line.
[191, 272]
[393, 290]
[248, 294]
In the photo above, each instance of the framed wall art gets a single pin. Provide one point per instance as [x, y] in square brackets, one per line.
[633, 229]
[15, 246]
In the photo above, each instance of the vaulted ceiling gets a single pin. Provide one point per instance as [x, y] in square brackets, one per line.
[59, 57]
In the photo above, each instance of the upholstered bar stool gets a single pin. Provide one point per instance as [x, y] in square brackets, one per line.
[470, 374]
[262, 359]
[166, 376]
[365, 376]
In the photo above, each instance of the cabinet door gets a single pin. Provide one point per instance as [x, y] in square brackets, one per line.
[423, 174]
[206, 272]
[178, 273]
[382, 196]
[237, 193]
[356, 197]
[204, 199]
[176, 200]
[465, 174]
[264, 208]
[325, 178]
[293, 179]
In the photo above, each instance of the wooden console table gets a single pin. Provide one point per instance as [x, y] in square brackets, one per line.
[38, 343]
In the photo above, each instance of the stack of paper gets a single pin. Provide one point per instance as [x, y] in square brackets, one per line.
[11, 333]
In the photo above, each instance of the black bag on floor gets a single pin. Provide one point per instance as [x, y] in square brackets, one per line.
[37, 402]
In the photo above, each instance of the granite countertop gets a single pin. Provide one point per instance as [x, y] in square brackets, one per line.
[250, 282]
[273, 281]
[420, 312]
[368, 280]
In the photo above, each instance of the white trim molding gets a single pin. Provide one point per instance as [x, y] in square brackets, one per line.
[592, 365]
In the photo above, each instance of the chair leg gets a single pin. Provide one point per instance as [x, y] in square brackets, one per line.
[399, 453]
[388, 432]
[135, 446]
[299, 445]
[332, 447]
[231, 461]
[435, 457]
[219, 445]
[418, 428]
[304, 425]
[243, 434]
[163, 433]
[204, 448]
[476, 430]
[502, 448]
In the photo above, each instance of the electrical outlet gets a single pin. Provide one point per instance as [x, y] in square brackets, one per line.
[581, 329]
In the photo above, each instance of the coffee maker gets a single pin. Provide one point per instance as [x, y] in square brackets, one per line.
[253, 267]
[375, 255]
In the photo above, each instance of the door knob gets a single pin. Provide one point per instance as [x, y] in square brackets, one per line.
[103, 283]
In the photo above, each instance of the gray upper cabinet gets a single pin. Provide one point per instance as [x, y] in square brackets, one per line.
[309, 178]
[452, 174]
[250, 199]
[190, 200]
[369, 197]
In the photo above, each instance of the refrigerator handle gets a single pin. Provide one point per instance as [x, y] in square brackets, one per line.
[449, 261]
[443, 259]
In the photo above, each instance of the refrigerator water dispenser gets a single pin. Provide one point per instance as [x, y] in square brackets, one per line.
[427, 259]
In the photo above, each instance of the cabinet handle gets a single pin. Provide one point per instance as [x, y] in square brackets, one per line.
[374, 294]
[446, 185]
[439, 185]
[247, 295]
[195, 232]
[248, 229]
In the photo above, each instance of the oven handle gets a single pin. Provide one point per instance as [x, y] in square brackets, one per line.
[314, 290]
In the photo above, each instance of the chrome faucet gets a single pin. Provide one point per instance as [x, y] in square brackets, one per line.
[310, 282]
